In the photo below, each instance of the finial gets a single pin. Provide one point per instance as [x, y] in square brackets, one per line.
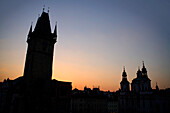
[124, 72]
[143, 63]
[55, 29]
[43, 8]
[31, 23]
[48, 9]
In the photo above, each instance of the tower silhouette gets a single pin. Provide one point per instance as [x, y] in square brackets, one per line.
[38, 65]
[39, 58]
[124, 83]
[141, 83]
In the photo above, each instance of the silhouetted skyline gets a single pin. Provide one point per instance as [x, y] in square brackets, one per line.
[95, 40]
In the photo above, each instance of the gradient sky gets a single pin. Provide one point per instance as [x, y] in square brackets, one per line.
[96, 38]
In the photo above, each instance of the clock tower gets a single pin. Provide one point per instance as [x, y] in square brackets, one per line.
[39, 58]
[38, 64]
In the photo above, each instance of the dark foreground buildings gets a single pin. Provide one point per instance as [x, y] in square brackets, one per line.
[36, 91]
[94, 101]
[142, 98]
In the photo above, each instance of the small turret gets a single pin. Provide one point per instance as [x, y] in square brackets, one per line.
[144, 71]
[55, 32]
[139, 73]
[124, 75]
[157, 88]
[124, 84]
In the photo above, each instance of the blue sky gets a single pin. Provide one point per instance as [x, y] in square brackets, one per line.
[96, 38]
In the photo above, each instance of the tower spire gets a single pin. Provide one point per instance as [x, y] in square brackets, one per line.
[139, 74]
[43, 24]
[55, 31]
[124, 83]
[143, 64]
[124, 72]
[48, 9]
[144, 71]
[43, 8]
[30, 31]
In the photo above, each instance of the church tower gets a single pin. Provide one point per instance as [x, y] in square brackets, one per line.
[141, 83]
[144, 71]
[124, 83]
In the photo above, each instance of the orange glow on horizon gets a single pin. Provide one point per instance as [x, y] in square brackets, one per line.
[81, 71]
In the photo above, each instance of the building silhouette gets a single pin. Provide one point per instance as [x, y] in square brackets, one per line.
[124, 83]
[141, 82]
[94, 101]
[39, 58]
[35, 91]
[38, 65]
[142, 98]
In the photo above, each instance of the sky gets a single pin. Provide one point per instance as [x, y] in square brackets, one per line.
[96, 38]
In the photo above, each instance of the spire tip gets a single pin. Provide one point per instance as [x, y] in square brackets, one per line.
[43, 8]
[143, 63]
[124, 68]
[48, 9]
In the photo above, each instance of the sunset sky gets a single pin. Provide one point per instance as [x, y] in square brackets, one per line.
[96, 38]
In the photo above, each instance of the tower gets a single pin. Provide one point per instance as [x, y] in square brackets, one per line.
[141, 83]
[38, 64]
[144, 71]
[139, 73]
[40, 49]
[124, 83]
[146, 81]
